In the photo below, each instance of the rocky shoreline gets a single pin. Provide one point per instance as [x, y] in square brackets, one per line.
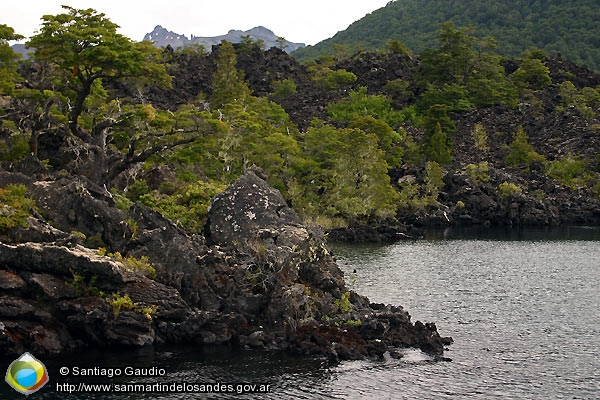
[256, 278]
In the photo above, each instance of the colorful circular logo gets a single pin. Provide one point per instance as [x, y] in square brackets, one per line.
[26, 374]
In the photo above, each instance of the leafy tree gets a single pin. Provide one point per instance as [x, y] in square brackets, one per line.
[397, 47]
[360, 104]
[532, 74]
[521, 151]
[461, 72]
[387, 139]
[434, 179]
[437, 148]
[347, 176]
[228, 82]
[437, 143]
[85, 48]
[8, 64]
[451, 62]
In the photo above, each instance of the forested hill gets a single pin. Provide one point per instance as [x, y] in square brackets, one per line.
[568, 27]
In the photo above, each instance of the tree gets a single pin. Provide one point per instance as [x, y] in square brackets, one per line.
[388, 140]
[451, 62]
[437, 149]
[437, 143]
[8, 64]
[521, 152]
[228, 82]
[346, 175]
[85, 48]
[462, 72]
[532, 74]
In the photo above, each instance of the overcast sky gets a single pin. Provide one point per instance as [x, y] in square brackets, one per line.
[301, 21]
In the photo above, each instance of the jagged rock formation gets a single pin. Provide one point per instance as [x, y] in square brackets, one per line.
[259, 278]
[163, 38]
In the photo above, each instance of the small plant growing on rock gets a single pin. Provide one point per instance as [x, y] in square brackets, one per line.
[121, 303]
[343, 303]
[14, 207]
[82, 287]
[140, 265]
[508, 189]
[478, 173]
[124, 303]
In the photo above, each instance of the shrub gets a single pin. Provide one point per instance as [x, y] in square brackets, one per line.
[478, 173]
[14, 206]
[567, 170]
[137, 189]
[480, 137]
[343, 303]
[121, 303]
[522, 152]
[508, 189]
[434, 179]
[283, 89]
[140, 265]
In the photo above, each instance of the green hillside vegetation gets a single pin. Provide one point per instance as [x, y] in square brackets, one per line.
[92, 102]
[555, 26]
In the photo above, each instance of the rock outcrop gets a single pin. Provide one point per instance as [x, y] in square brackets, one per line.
[257, 278]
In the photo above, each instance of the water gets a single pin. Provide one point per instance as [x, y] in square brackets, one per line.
[523, 310]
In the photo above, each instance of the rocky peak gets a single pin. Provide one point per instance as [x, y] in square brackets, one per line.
[163, 37]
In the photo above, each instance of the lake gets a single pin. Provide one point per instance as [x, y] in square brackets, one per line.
[522, 307]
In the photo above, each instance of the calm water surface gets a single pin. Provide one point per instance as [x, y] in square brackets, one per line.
[523, 309]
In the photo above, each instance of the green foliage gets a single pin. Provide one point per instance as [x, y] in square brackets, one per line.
[140, 265]
[434, 179]
[228, 82]
[478, 173]
[480, 137]
[398, 91]
[437, 148]
[387, 139]
[283, 89]
[455, 97]
[557, 26]
[15, 207]
[508, 189]
[462, 74]
[120, 303]
[187, 207]
[521, 152]
[360, 104]
[136, 190]
[83, 288]
[344, 175]
[532, 74]
[85, 48]
[328, 78]
[397, 47]
[570, 170]
[16, 146]
[343, 303]
[8, 58]
[583, 100]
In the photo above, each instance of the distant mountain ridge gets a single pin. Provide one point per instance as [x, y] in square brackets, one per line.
[163, 37]
[568, 27]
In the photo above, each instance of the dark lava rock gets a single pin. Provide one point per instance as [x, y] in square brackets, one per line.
[259, 278]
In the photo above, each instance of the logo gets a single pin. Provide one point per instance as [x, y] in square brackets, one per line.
[26, 374]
